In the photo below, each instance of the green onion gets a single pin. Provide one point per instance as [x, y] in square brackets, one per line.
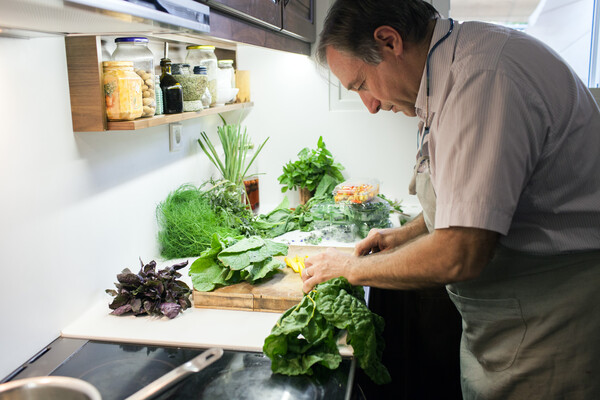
[236, 145]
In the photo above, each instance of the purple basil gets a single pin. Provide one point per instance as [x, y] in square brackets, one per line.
[151, 292]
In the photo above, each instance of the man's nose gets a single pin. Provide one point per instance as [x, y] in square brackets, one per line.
[373, 105]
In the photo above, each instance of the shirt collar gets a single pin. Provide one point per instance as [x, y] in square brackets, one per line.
[439, 67]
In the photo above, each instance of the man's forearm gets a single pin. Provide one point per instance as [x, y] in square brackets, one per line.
[448, 255]
[412, 229]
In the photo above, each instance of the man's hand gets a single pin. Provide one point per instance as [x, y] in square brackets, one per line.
[377, 240]
[325, 266]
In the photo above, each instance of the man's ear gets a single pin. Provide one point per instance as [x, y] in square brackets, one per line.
[389, 38]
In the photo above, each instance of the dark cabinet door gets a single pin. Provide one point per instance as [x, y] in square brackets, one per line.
[299, 19]
[263, 12]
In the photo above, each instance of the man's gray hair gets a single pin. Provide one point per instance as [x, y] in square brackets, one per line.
[350, 24]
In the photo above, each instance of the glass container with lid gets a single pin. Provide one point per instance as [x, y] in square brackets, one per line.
[193, 86]
[135, 49]
[227, 71]
[205, 56]
[122, 91]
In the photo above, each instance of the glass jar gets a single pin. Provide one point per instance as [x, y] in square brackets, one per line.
[227, 72]
[136, 49]
[193, 86]
[205, 56]
[122, 91]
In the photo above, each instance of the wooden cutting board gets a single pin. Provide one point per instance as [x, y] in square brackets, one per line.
[277, 294]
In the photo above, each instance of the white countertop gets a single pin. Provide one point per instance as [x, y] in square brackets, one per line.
[194, 327]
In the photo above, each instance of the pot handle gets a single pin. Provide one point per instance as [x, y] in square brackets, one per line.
[191, 367]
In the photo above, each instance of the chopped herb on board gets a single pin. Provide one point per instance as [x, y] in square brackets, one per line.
[306, 335]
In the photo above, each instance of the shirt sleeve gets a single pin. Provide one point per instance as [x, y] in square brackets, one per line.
[488, 138]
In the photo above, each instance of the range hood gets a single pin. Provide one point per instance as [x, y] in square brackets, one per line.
[34, 18]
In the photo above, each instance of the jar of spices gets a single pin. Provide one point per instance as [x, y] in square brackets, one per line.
[205, 56]
[193, 86]
[136, 49]
[171, 89]
[122, 91]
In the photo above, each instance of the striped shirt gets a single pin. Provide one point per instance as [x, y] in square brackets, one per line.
[514, 140]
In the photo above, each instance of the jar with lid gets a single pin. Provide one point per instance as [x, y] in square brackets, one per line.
[135, 49]
[122, 91]
[205, 56]
[193, 86]
[227, 72]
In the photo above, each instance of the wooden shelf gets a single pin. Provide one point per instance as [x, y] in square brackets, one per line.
[88, 109]
[142, 123]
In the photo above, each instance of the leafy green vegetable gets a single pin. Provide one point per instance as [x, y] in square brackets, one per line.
[187, 221]
[227, 199]
[306, 335]
[231, 260]
[315, 170]
[283, 219]
[150, 292]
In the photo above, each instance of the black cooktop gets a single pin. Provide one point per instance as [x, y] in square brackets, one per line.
[118, 370]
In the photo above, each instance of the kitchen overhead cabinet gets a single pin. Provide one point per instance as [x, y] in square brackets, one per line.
[280, 24]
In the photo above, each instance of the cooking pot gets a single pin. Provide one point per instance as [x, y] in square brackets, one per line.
[49, 388]
[66, 388]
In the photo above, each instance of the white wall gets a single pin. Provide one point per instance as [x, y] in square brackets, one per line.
[76, 208]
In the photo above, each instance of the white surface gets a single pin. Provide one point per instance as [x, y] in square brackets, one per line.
[195, 327]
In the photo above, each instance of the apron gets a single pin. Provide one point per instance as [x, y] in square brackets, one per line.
[531, 324]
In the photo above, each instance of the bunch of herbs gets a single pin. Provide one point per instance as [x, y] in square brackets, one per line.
[225, 199]
[231, 260]
[236, 145]
[283, 219]
[315, 170]
[187, 220]
[150, 292]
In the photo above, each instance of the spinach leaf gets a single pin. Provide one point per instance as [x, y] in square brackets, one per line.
[254, 242]
[306, 335]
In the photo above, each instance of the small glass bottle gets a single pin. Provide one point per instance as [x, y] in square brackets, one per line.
[172, 90]
[122, 91]
[159, 95]
[205, 55]
[136, 49]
